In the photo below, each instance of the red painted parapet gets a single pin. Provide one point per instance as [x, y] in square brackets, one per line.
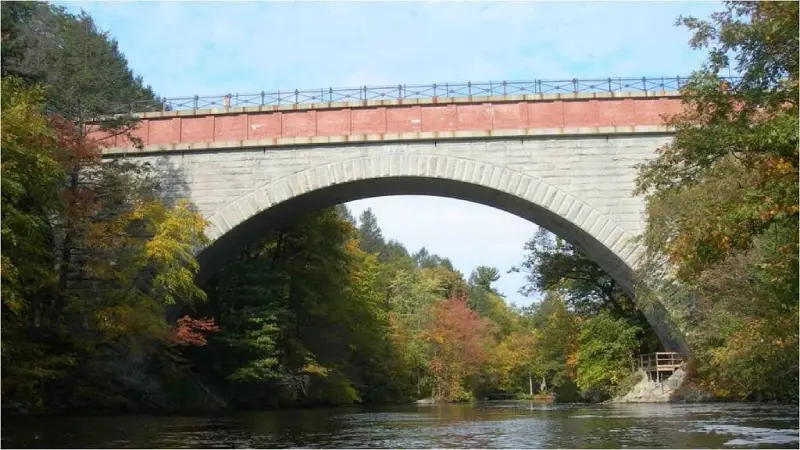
[401, 116]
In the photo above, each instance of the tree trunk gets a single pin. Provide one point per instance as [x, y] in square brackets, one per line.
[65, 266]
[530, 384]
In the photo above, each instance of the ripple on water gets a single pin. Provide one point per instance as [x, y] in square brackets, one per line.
[484, 425]
[755, 435]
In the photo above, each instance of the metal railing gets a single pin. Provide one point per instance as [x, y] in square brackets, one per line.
[410, 91]
[659, 361]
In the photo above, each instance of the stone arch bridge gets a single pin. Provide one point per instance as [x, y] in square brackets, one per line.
[564, 158]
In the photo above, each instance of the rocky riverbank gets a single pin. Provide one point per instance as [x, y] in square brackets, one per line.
[675, 389]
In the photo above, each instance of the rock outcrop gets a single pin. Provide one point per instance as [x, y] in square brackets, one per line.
[676, 388]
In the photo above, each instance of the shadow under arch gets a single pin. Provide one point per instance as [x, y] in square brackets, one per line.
[279, 202]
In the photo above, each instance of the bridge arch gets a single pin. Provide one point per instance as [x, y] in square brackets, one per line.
[398, 172]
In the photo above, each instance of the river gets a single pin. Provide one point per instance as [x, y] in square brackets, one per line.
[486, 425]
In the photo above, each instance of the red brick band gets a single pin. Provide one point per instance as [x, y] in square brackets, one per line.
[211, 126]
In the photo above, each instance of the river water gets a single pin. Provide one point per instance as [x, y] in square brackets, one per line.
[484, 425]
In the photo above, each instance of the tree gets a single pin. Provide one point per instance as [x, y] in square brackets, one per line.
[345, 213]
[511, 366]
[426, 260]
[369, 233]
[555, 339]
[303, 320]
[110, 254]
[606, 350]
[14, 15]
[722, 201]
[458, 338]
[553, 264]
[483, 277]
[85, 74]
[30, 173]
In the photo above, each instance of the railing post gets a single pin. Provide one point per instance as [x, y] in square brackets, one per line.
[262, 98]
[574, 85]
[164, 104]
[491, 89]
[447, 89]
[505, 91]
[399, 91]
[330, 94]
[196, 98]
[538, 87]
[469, 89]
[434, 90]
[609, 85]
[678, 80]
[296, 97]
[644, 84]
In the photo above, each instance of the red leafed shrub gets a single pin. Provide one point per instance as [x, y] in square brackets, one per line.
[192, 332]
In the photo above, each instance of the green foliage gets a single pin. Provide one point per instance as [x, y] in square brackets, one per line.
[91, 254]
[302, 319]
[369, 233]
[30, 174]
[607, 347]
[555, 340]
[722, 202]
[552, 264]
[85, 73]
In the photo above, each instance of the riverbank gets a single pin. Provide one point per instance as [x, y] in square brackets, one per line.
[677, 388]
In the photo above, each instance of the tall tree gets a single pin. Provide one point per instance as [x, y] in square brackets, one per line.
[554, 264]
[555, 340]
[483, 277]
[605, 356]
[369, 233]
[121, 254]
[85, 74]
[30, 173]
[458, 337]
[722, 201]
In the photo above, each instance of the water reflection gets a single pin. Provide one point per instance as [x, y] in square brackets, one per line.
[484, 425]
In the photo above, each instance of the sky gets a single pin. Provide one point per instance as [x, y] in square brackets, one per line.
[209, 48]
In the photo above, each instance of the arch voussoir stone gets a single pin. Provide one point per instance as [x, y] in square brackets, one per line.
[520, 185]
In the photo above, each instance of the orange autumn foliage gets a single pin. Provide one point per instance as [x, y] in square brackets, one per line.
[192, 332]
[458, 337]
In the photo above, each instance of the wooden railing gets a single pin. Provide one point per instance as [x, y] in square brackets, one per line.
[660, 361]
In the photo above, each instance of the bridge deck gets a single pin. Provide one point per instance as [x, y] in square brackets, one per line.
[404, 119]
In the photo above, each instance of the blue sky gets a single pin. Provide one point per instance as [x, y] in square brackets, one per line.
[207, 48]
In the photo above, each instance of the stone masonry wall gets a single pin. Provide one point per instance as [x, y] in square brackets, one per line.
[597, 170]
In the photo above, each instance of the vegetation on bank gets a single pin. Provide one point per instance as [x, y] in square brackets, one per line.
[100, 310]
[722, 204]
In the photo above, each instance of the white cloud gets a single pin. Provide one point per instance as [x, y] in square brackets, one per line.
[187, 48]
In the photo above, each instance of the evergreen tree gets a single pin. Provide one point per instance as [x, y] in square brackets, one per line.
[369, 233]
